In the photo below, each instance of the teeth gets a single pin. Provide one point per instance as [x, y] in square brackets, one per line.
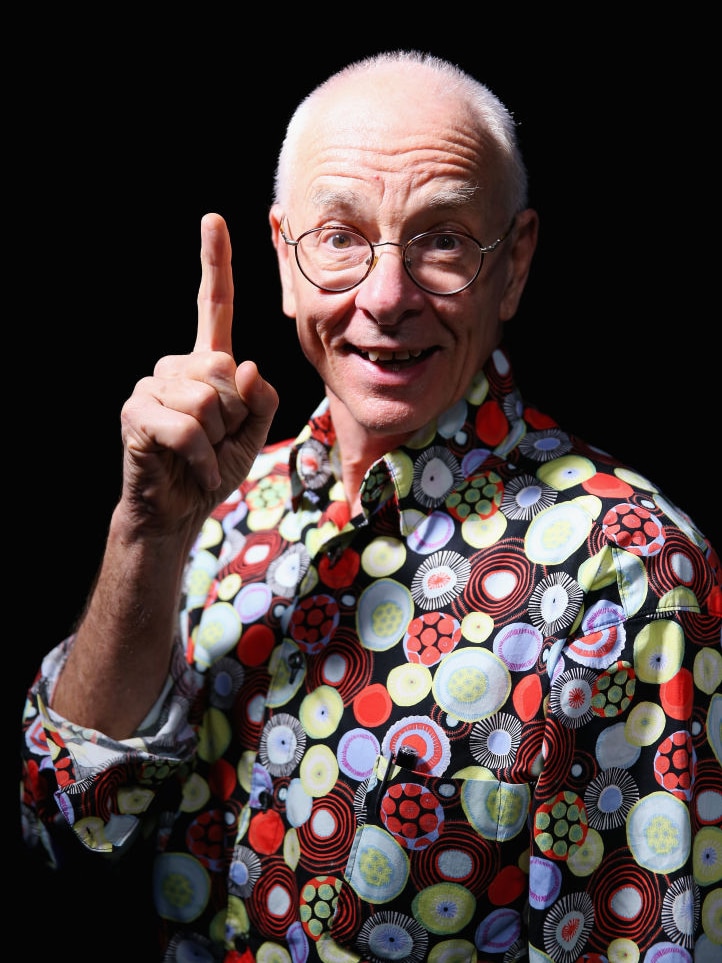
[392, 355]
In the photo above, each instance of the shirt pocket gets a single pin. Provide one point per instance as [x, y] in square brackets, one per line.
[413, 806]
[409, 816]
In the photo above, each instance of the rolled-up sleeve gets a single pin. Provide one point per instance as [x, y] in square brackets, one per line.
[70, 771]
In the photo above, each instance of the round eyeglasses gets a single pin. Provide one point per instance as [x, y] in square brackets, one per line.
[336, 258]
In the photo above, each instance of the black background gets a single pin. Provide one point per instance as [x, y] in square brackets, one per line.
[130, 131]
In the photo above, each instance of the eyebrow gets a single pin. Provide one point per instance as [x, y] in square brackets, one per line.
[447, 197]
[454, 196]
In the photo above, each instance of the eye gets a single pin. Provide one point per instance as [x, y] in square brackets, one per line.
[340, 239]
[445, 242]
[440, 244]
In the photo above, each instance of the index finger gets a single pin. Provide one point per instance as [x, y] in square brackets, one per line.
[215, 294]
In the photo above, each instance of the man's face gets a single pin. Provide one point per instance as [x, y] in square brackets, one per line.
[391, 166]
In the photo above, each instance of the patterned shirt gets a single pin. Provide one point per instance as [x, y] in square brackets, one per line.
[481, 721]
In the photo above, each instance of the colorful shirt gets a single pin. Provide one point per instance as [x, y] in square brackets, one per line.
[480, 721]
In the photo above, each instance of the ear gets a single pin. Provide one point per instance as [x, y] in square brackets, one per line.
[523, 244]
[284, 253]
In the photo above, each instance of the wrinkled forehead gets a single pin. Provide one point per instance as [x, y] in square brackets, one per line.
[390, 137]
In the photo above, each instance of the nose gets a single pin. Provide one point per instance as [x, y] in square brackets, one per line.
[388, 292]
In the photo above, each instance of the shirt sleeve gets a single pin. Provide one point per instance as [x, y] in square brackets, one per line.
[69, 770]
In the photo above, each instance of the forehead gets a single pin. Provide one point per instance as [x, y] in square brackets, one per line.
[391, 143]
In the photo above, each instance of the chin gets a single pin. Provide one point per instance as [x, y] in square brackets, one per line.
[391, 417]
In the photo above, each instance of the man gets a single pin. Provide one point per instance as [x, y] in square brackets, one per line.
[445, 681]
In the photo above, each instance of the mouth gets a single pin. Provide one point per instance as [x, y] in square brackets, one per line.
[395, 358]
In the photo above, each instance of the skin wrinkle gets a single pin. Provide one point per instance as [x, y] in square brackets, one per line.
[338, 207]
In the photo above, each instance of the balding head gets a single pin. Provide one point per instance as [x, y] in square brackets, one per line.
[400, 95]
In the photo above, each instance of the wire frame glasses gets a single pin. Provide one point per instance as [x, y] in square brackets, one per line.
[336, 258]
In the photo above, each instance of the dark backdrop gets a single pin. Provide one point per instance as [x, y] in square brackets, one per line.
[134, 134]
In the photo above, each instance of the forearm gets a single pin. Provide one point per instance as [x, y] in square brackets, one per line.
[120, 658]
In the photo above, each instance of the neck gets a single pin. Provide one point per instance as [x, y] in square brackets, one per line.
[359, 447]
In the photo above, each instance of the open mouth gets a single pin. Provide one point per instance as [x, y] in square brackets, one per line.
[395, 358]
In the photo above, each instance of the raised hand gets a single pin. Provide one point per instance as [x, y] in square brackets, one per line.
[192, 430]
[190, 435]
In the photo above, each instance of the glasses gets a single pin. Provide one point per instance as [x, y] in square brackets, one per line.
[336, 258]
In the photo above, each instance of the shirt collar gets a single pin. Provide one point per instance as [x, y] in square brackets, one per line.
[488, 421]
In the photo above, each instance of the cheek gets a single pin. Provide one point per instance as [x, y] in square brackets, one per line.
[477, 327]
[464, 315]
[309, 338]
[317, 326]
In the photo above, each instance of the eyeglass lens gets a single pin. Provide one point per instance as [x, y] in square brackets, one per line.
[440, 262]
